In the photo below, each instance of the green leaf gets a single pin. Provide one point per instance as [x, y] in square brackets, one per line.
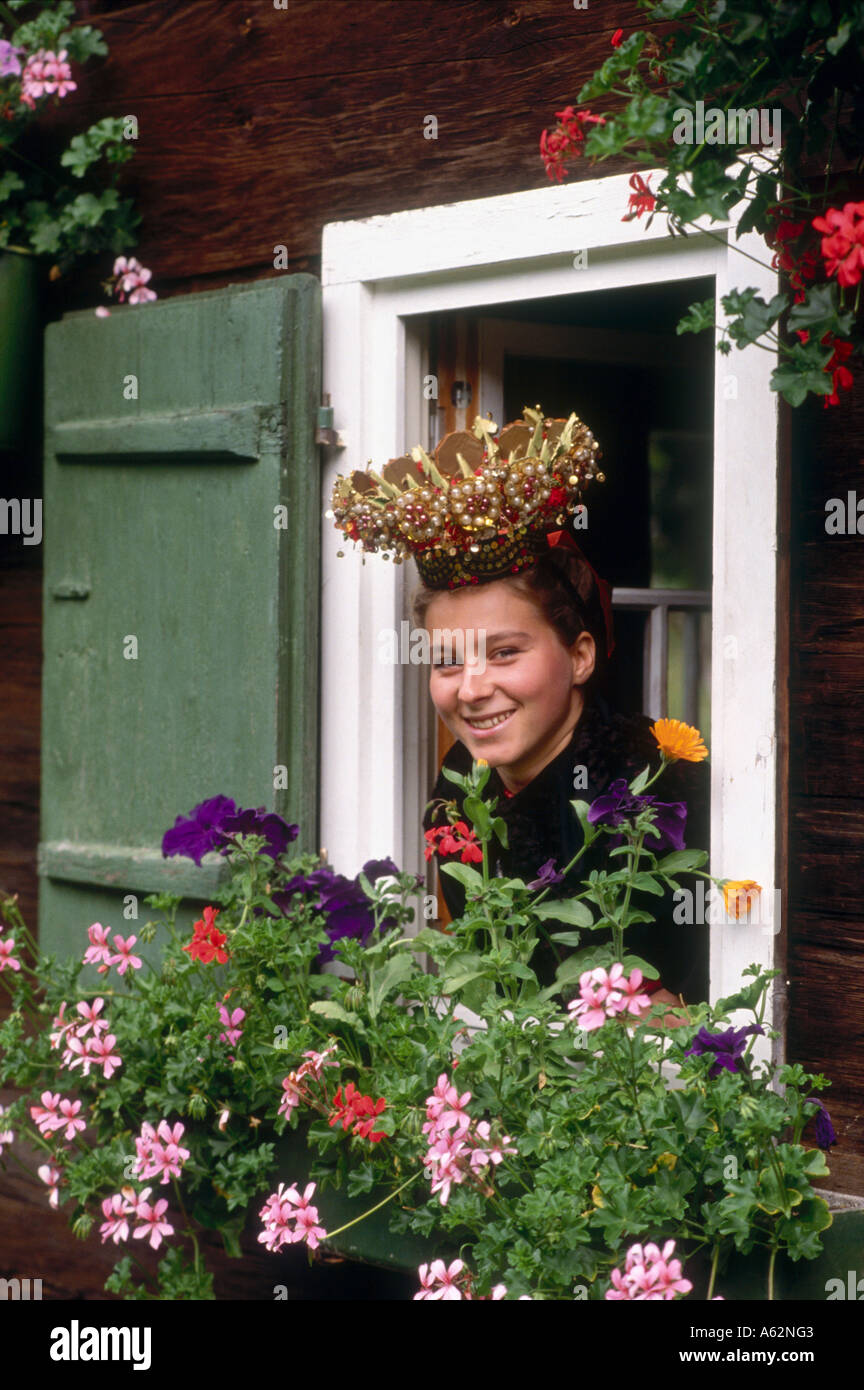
[819, 312]
[452, 983]
[838, 40]
[804, 373]
[639, 782]
[567, 938]
[589, 831]
[522, 972]
[648, 884]
[464, 874]
[750, 318]
[10, 183]
[328, 1008]
[631, 963]
[566, 910]
[478, 813]
[569, 970]
[87, 148]
[45, 236]
[461, 969]
[382, 982]
[681, 860]
[699, 316]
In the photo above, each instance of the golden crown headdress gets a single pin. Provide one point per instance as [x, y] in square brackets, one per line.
[481, 508]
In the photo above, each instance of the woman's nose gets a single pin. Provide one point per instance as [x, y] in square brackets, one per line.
[475, 683]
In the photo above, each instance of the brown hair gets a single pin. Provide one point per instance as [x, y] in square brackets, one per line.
[562, 588]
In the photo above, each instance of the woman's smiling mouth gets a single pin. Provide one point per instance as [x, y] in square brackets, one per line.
[489, 723]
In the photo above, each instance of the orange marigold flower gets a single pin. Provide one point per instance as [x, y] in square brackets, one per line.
[737, 895]
[677, 740]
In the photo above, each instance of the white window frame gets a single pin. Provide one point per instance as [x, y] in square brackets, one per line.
[377, 274]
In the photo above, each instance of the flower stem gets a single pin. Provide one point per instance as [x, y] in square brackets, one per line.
[771, 1273]
[389, 1198]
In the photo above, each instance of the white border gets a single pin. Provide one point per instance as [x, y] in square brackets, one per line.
[376, 274]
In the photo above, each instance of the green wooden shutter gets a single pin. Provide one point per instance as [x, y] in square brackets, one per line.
[160, 513]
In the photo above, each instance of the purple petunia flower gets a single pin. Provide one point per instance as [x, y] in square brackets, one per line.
[262, 822]
[825, 1135]
[10, 60]
[197, 834]
[728, 1047]
[342, 900]
[619, 804]
[547, 874]
[209, 824]
[379, 868]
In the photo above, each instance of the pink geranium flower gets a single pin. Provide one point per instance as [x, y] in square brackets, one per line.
[52, 1176]
[438, 1282]
[602, 995]
[631, 1000]
[98, 952]
[69, 1117]
[78, 1053]
[317, 1061]
[592, 1008]
[131, 278]
[103, 1055]
[46, 1115]
[159, 1151]
[445, 1108]
[7, 946]
[90, 1014]
[295, 1086]
[281, 1208]
[493, 1151]
[116, 1211]
[6, 1135]
[232, 1023]
[151, 1217]
[459, 1148]
[124, 959]
[56, 74]
[306, 1227]
[60, 1025]
[649, 1274]
[173, 1135]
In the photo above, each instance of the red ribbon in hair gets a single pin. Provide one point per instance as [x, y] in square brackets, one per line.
[566, 541]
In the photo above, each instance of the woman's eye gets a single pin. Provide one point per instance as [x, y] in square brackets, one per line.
[506, 651]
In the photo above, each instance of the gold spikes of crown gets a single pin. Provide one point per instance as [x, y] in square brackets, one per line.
[481, 508]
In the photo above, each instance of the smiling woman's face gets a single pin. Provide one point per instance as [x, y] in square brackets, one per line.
[530, 686]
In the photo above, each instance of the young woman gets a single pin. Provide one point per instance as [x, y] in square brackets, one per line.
[484, 522]
[534, 710]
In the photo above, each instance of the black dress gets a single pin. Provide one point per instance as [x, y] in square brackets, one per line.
[542, 825]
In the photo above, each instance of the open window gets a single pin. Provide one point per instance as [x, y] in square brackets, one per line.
[550, 297]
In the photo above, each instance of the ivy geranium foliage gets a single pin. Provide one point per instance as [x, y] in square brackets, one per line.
[778, 80]
[566, 1141]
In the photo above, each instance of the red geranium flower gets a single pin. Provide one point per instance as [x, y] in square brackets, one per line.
[207, 942]
[358, 1113]
[641, 199]
[566, 139]
[843, 242]
[841, 377]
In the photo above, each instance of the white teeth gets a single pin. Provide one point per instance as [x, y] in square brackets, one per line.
[489, 723]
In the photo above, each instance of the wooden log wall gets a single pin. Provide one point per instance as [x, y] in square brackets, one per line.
[825, 919]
